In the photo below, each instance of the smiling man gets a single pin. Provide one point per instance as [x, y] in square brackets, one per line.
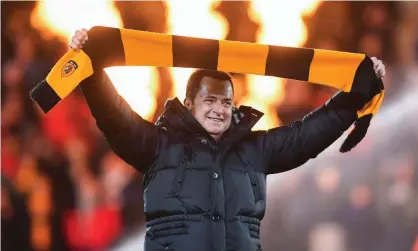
[204, 168]
[209, 98]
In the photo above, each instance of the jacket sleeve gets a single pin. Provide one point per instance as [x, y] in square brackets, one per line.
[290, 146]
[132, 138]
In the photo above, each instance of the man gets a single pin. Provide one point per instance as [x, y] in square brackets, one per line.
[205, 170]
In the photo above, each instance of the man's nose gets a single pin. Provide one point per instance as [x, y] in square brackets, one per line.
[218, 108]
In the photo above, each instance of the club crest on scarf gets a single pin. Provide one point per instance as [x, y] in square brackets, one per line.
[69, 68]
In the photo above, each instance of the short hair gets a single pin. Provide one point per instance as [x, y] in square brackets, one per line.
[193, 84]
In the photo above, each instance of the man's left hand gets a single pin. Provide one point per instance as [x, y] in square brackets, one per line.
[379, 67]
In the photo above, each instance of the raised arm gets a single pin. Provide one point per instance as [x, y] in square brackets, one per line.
[132, 138]
[290, 146]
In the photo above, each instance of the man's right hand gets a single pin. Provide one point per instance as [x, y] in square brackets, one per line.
[79, 39]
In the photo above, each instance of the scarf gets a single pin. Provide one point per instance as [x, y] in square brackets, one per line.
[107, 47]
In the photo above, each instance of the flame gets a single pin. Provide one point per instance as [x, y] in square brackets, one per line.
[136, 86]
[281, 24]
[63, 18]
[197, 20]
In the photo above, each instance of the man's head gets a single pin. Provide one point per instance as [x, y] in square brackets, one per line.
[209, 98]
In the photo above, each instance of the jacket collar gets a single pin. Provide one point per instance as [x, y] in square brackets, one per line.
[177, 117]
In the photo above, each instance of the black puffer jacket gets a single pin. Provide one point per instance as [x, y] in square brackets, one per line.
[201, 195]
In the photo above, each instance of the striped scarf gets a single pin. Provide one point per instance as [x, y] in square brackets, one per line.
[107, 47]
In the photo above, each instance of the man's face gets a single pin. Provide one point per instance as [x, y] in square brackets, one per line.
[212, 106]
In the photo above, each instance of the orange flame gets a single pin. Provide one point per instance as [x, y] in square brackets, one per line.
[197, 20]
[137, 86]
[63, 18]
[281, 24]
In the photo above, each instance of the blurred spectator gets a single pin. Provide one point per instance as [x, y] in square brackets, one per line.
[327, 236]
[295, 105]
[360, 220]
[95, 224]
[371, 44]
[15, 221]
[9, 156]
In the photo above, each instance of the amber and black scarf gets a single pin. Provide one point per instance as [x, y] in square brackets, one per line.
[107, 47]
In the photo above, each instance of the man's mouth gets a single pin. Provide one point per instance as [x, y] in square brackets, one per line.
[215, 119]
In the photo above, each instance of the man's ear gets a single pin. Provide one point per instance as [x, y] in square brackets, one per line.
[188, 104]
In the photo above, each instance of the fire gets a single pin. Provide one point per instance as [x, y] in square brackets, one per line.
[136, 85]
[63, 18]
[281, 24]
[197, 20]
